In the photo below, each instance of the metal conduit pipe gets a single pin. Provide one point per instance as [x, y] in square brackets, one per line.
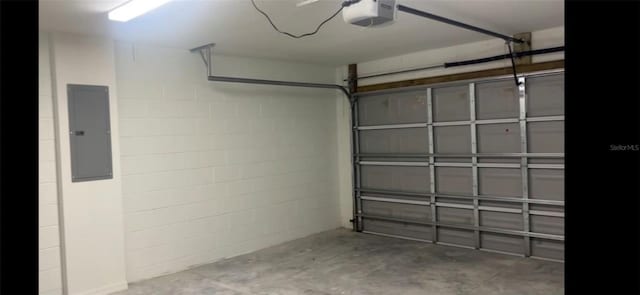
[456, 23]
[279, 83]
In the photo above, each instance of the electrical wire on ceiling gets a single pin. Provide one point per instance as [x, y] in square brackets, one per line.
[303, 35]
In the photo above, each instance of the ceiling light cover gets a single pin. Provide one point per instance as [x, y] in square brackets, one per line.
[134, 8]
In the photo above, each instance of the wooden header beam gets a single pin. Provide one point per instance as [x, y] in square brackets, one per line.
[353, 77]
[525, 68]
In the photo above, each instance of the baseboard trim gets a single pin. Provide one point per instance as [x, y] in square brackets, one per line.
[104, 290]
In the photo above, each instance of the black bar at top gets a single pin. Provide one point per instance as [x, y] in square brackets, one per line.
[457, 23]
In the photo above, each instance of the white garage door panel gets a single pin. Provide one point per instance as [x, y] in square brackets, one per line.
[454, 180]
[545, 96]
[547, 249]
[456, 236]
[451, 104]
[500, 182]
[397, 141]
[546, 137]
[492, 173]
[393, 109]
[499, 138]
[397, 210]
[455, 216]
[398, 178]
[399, 229]
[503, 243]
[501, 220]
[546, 184]
[547, 225]
[497, 100]
[452, 139]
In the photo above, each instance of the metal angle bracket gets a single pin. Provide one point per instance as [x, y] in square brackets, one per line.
[523, 47]
[205, 52]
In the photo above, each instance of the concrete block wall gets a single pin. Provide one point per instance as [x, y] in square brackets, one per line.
[91, 213]
[213, 170]
[50, 281]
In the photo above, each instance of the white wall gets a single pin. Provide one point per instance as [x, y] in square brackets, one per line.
[92, 231]
[540, 39]
[214, 170]
[50, 280]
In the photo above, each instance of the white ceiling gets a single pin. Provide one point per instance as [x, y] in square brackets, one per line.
[238, 29]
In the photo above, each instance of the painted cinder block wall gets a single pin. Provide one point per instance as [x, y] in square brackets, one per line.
[49, 279]
[208, 170]
[214, 170]
[90, 213]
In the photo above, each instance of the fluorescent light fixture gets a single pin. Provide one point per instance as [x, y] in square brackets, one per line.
[134, 8]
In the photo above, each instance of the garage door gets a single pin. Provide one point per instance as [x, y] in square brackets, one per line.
[478, 165]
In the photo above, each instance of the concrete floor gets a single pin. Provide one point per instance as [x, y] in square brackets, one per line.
[344, 262]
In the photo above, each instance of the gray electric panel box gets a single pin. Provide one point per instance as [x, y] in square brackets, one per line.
[89, 132]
